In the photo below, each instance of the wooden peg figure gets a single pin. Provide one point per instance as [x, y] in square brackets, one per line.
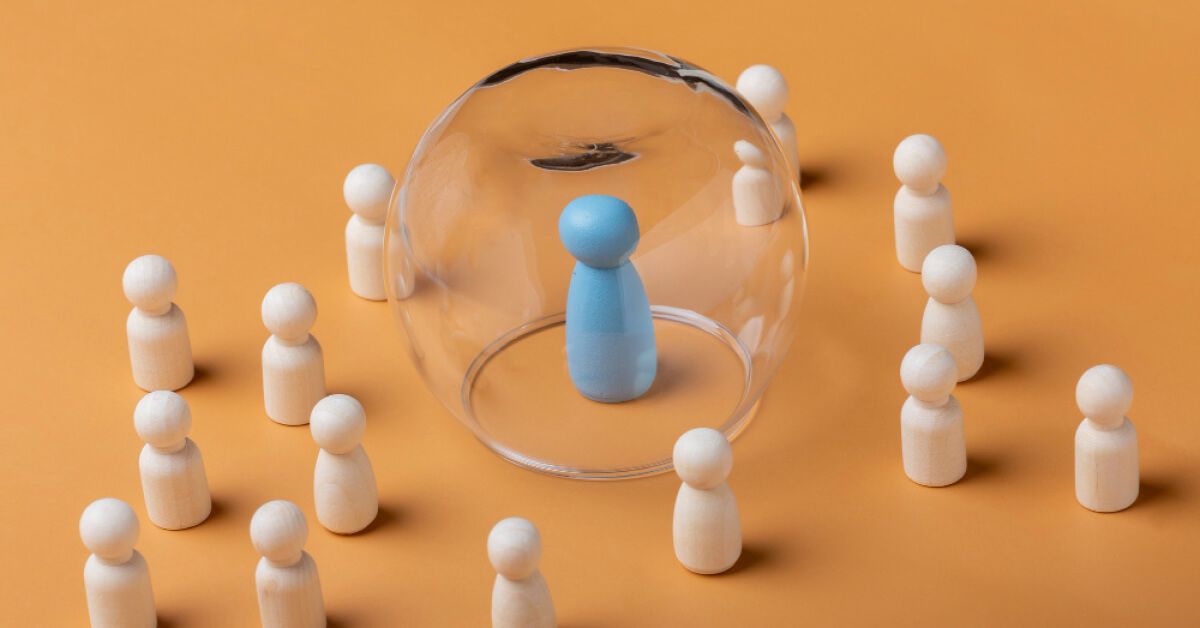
[931, 421]
[159, 349]
[367, 190]
[951, 318]
[520, 597]
[293, 365]
[343, 481]
[116, 577]
[611, 352]
[173, 479]
[289, 588]
[766, 89]
[1106, 447]
[757, 199]
[923, 216]
[707, 527]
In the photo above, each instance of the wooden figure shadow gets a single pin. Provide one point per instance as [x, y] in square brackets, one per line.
[996, 363]
[984, 251]
[1154, 492]
[755, 557]
[201, 374]
[672, 374]
[979, 467]
[389, 516]
[813, 177]
[220, 510]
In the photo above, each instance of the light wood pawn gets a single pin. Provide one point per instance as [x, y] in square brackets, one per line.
[289, 588]
[343, 482]
[116, 576]
[923, 216]
[1106, 447]
[707, 528]
[757, 199]
[931, 421]
[293, 365]
[173, 479]
[159, 349]
[520, 597]
[951, 318]
[367, 189]
[766, 89]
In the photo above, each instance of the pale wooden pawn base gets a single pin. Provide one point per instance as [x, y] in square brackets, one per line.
[1106, 466]
[707, 529]
[290, 596]
[119, 595]
[932, 442]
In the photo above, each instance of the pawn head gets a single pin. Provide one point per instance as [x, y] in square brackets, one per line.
[515, 548]
[920, 162]
[948, 273]
[109, 528]
[162, 418]
[149, 283]
[765, 88]
[367, 190]
[1104, 394]
[600, 231]
[337, 423]
[928, 372]
[289, 311]
[750, 154]
[703, 458]
[278, 531]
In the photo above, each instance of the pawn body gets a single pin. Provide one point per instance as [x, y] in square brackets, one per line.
[289, 596]
[1106, 447]
[364, 258]
[524, 603]
[707, 527]
[785, 130]
[160, 352]
[292, 361]
[1106, 466]
[116, 577]
[293, 379]
[611, 352]
[924, 219]
[175, 486]
[932, 442]
[289, 587]
[367, 189]
[757, 199]
[520, 597]
[344, 489]
[951, 318]
[958, 328]
[119, 595]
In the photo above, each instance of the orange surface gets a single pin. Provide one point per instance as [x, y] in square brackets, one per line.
[218, 133]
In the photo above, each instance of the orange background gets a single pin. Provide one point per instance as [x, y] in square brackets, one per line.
[218, 134]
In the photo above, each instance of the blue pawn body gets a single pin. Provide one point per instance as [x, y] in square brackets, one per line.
[610, 334]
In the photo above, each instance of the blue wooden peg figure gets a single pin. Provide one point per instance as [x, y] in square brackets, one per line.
[610, 334]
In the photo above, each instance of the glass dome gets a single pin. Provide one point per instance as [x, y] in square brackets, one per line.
[478, 277]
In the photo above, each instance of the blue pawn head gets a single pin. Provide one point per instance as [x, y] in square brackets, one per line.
[600, 231]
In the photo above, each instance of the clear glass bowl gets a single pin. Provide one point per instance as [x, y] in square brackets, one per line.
[478, 278]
